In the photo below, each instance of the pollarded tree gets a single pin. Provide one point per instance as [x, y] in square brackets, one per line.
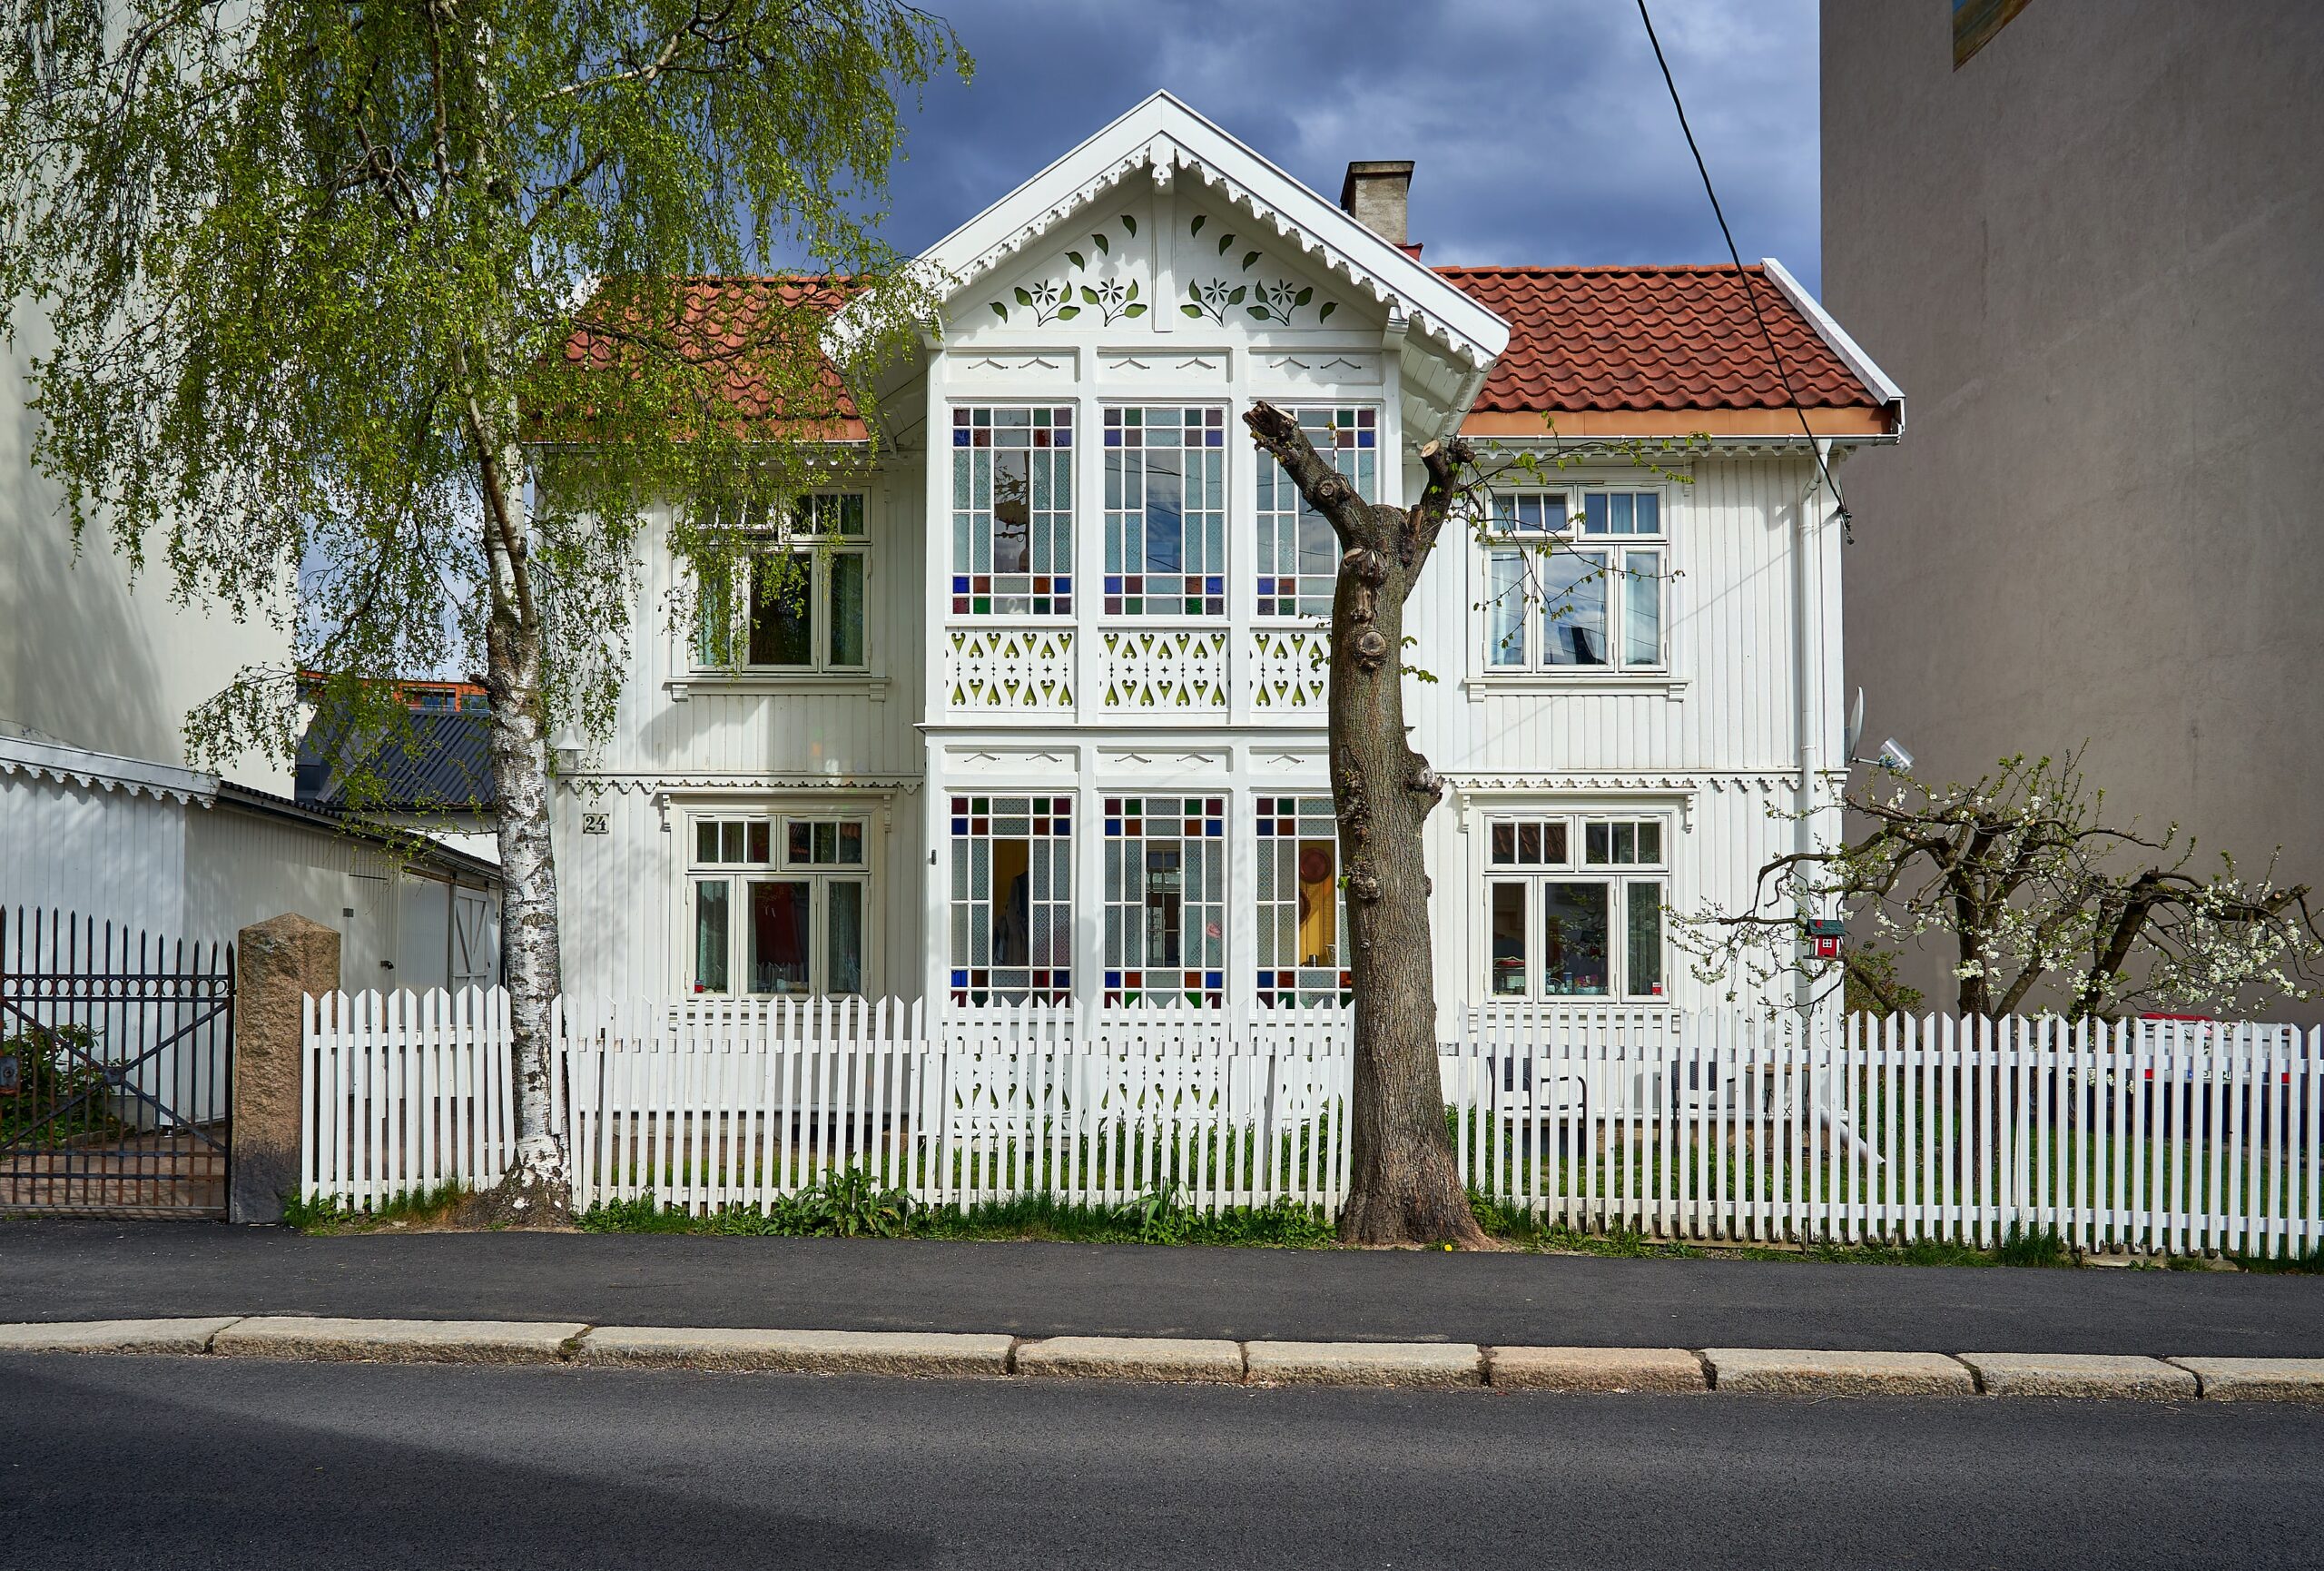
[401, 302]
[1403, 1182]
[2044, 901]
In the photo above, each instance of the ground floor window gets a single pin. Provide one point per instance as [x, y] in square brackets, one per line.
[1300, 919]
[777, 905]
[1166, 899]
[1011, 899]
[1558, 927]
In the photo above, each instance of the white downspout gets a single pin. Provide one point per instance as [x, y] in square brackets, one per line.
[1808, 660]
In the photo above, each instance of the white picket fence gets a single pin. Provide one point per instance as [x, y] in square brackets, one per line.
[2184, 1137]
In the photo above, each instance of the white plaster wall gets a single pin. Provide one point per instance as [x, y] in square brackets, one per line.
[86, 655]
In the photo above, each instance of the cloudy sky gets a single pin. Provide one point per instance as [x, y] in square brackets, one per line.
[1542, 129]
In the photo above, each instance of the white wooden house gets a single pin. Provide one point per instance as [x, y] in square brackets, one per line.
[1050, 722]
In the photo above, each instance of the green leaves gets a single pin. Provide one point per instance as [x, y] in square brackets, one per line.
[1077, 260]
[1024, 296]
[386, 248]
[1248, 258]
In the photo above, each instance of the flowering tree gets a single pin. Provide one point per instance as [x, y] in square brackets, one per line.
[2044, 899]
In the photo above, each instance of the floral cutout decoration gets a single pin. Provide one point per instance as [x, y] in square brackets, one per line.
[1214, 299]
[1062, 299]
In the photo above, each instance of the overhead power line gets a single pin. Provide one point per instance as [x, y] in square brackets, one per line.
[1750, 293]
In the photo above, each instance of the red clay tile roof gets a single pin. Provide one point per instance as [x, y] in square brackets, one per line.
[720, 318]
[1649, 338]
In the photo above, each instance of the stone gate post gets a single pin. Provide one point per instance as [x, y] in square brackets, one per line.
[277, 963]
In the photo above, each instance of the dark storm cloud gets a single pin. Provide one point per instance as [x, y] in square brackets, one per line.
[1542, 131]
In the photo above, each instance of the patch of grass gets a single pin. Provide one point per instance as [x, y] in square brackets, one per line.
[848, 1203]
[407, 1208]
[2307, 1262]
[1513, 1224]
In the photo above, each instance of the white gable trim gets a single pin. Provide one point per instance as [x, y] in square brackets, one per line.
[1836, 337]
[93, 770]
[1163, 136]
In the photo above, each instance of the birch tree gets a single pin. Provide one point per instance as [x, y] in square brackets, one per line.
[401, 302]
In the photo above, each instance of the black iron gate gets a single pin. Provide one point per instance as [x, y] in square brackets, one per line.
[116, 1058]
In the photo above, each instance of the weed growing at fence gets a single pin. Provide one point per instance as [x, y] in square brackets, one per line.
[406, 1208]
[2307, 1262]
[2033, 1247]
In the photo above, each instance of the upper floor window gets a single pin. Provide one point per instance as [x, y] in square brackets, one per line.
[1575, 580]
[1012, 510]
[804, 610]
[1299, 556]
[1560, 927]
[1166, 511]
[778, 904]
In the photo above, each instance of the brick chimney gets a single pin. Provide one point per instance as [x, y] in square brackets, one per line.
[1373, 194]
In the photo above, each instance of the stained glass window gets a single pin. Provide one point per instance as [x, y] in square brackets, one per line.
[1299, 556]
[1166, 899]
[1012, 511]
[1301, 919]
[1166, 511]
[1011, 899]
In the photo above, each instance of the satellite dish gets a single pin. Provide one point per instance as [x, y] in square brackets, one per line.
[1893, 758]
[1856, 727]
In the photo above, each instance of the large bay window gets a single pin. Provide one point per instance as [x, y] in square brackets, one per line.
[1012, 511]
[1573, 907]
[777, 905]
[1166, 899]
[1574, 580]
[1011, 899]
[1166, 511]
[1301, 922]
[1299, 556]
[802, 610]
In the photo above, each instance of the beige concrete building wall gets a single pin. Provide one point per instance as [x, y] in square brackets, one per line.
[2094, 255]
[87, 656]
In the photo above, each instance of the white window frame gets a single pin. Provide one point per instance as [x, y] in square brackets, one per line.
[1266, 592]
[819, 550]
[779, 867]
[1626, 881]
[1628, 559]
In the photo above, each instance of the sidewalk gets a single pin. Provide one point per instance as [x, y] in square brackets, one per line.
[59, 1270]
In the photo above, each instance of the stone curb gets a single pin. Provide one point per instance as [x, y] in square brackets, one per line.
[797, 1352]
[1364, 1363]
[1603, 1369]
[1756, 1371]
[1170, 1360]
[1808, 1372]
[2079, 1375]
[314, 1336]
[2258, 1380]
[171, 1335]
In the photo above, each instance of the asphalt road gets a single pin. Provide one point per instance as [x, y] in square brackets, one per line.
[52, 1270]
[119, 1463]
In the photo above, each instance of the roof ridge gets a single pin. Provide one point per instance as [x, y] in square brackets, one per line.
[1524, 268]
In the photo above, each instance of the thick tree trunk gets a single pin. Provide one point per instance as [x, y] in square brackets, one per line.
[1403, 1186]
[537, 1188]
